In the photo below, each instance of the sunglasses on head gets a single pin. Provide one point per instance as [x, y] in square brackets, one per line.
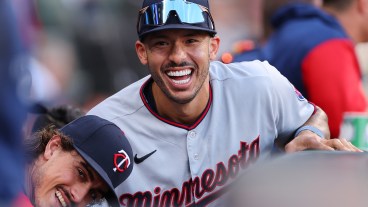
[188, 12]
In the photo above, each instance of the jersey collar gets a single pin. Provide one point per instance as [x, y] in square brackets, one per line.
[154, 113]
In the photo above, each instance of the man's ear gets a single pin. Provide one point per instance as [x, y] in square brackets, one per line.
[141, 52]
[52, 146]
[214, 46]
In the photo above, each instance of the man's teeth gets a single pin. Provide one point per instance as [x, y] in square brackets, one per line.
[61, 199]
[181, 81]
[179, 73]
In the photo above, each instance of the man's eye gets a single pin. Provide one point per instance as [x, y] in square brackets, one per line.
[93, 195]
[161, 43]
[81, 174]
[192, 41]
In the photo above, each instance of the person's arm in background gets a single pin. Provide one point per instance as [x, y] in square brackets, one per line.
[332, 79]
[307, 139]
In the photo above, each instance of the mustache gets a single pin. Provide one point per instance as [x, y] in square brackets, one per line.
[175, 65]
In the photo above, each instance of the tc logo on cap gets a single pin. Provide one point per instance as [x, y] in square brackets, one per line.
[124, 161]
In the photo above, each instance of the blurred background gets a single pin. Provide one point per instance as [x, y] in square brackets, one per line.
[82, 51]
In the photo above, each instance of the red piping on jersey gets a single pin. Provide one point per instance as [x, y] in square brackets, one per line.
[204, 113]
[315, 107]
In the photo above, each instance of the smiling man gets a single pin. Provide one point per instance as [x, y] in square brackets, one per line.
[195, 123]
[78, 165]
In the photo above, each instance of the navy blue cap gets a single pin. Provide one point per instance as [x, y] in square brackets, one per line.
[104, 147]
[174, 23]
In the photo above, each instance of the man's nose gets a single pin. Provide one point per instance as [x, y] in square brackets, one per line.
[79, 193]
[177, 53]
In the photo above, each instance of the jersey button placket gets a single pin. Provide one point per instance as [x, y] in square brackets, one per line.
[192, 135]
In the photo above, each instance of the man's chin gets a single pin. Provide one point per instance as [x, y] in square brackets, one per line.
[181, 100]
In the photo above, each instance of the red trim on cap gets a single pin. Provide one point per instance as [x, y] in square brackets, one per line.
[204, 113]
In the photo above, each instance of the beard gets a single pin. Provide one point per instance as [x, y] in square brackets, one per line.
[35, 185]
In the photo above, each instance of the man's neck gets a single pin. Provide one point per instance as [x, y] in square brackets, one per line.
[352, 29]
[186, 114]
[345, 18]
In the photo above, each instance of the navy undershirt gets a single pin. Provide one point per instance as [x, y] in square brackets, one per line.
[147, 92]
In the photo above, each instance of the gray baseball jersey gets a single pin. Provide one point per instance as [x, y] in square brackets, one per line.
[251, 104]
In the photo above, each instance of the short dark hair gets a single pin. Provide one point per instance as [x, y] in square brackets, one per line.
[211, 35]
[35, 145]
[338, 5]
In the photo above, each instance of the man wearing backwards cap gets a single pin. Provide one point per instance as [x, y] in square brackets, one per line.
[77, 165]
[197, 122]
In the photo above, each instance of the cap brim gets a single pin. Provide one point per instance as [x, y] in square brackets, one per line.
[111, 198]
[176, 26]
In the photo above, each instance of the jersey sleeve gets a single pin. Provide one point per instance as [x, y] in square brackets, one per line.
[332, 79]
[291, 109]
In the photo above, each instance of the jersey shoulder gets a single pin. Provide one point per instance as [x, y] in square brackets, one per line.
[125, 102]
[240, 70]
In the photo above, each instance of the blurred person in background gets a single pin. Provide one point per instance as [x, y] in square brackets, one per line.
[51, 61]
[362, 53]
[243, 15]
[314, 49]
[78, 165]
[103, 42]
[52, 66]
[268, 10]
[12, 109]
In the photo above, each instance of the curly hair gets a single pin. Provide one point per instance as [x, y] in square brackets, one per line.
[35, 145]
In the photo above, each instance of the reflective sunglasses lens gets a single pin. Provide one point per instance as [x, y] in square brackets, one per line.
[188, 12]
[153, 15]
[157, 14]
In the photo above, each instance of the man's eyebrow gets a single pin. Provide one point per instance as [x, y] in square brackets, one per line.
[191, 34]
[89, 171]
[157, 36]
